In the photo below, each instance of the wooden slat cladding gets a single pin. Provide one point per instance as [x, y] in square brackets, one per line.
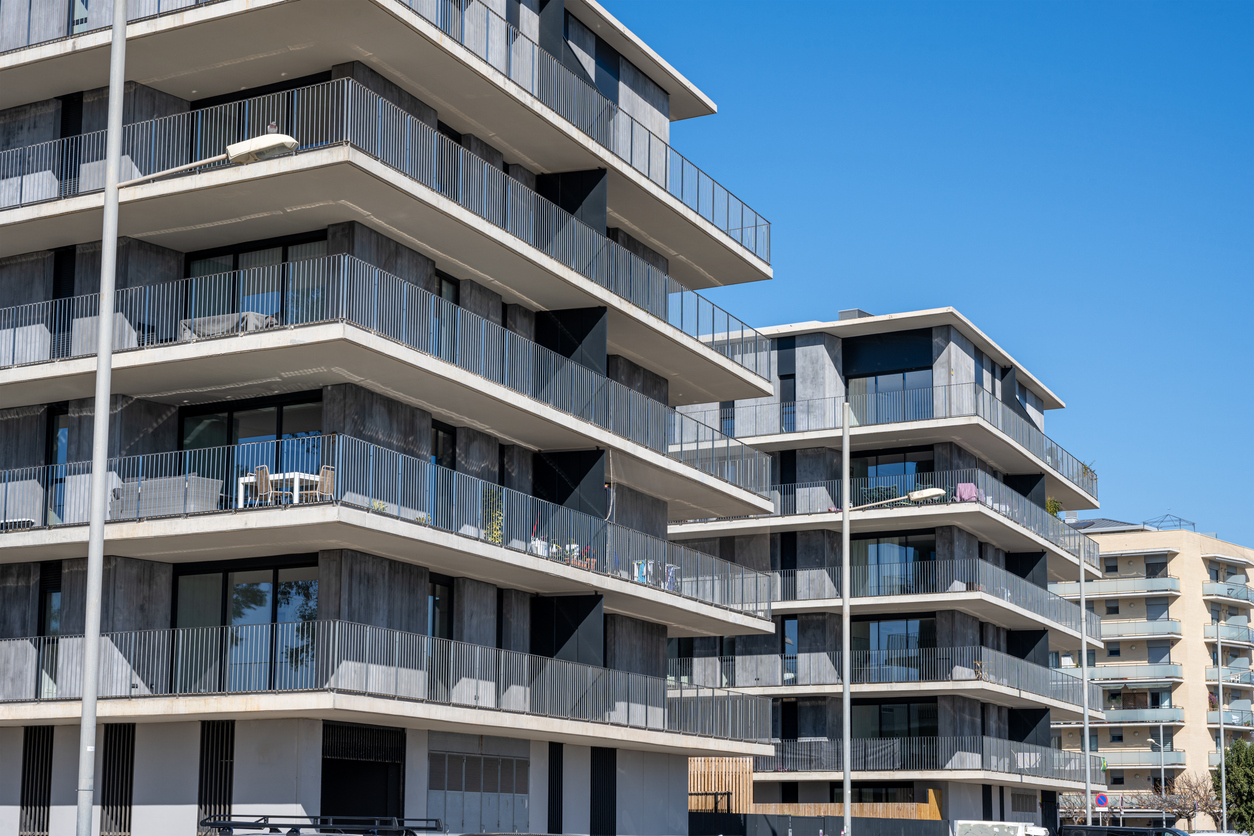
[36, 780]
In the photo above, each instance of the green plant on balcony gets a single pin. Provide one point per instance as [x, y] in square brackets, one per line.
[493, 515]
[378, 506]
[1053, 506]
[1087, 471]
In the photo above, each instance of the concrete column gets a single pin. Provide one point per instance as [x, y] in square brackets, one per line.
[515, 619]
[638, 511]
[30, 124]
[391, 92]
[367, 589]
[135, 594]
[637, 378]
[958, 716]
[992, 636]
[522, 175]
[167, 758]
[477, 299]
[635, 646]
[377, 250]
[24, 280]
[538, 786]
[483, 151]
[521, 321]
[953, 543]
[139, 104]
[417, 766]
[953, 357]
[10, 789]
[478, 454]
[957, 629]
[474, 612]
[516, 472]
[19, 600]
[576, 789]
[638, 248]
[817, 366]
[750, 550]
[361, 413]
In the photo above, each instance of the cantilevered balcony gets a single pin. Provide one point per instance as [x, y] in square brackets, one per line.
[195, 338]
[1001, 677]
[1232, 633]
[1239, 674]
[1135, 629]
[1125, 758]
[1131, 586]
[972, 489]
[951, 758]
[951, 581]
[1227, 592]
[195, 502]
[1232, 717]
[469, 211]
[1144, 716]
[648, 173]
[221, 664]
[917, 411]
[1131, 675]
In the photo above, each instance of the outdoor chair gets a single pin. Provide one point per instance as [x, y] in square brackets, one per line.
[266, 493]
[324, 490]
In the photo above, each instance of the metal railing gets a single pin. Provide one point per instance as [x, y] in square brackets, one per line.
[1231, 633]
[344, 112]
[929, 578]
[933, 664]
[756, 418]
[970, 485]
[1142, 757]
[341, 288]
[1115, 716]
[494, 40]
[1232, 717]
[888, 754]
[1132, 627]
[1235, 591]
[1232, 674]
[356, 658]
[1114, 586]
[1130, 673]
[345, 470]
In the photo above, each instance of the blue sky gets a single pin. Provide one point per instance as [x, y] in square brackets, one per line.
[1075, 177]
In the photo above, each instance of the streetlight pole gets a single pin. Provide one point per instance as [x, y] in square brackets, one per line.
[846, 700]
[100, 426]
[1084, 689]
[1162, 773]
[1223, 754]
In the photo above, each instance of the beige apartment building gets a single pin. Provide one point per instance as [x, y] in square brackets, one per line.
[1168, 597]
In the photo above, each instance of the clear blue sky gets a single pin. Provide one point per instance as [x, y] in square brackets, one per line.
[1075, 177]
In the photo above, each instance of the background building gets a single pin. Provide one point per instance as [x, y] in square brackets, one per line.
[1166, 597]
[393, 437]
[953, 621]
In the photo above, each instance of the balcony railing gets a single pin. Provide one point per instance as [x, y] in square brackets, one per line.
[355, 658]
[930, 578]
[1119, 758]
[911, 754]
[1105, 587]
[1231, 633]
[940, 664]
[341, 288]
[494, 40]
[346, 471]
[345, 112]
[1233, 591]
[1232, 717]
[1115, 716]
[960, 400]
[1129, 673]
[961, 486]
[1133, 628]
[1232, 674]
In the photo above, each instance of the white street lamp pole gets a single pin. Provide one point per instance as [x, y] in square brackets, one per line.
[846, 701]
[1223, 754]
[100, 426]
[1084, 688]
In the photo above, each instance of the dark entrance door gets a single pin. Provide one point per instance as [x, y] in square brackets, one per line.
[363, 771]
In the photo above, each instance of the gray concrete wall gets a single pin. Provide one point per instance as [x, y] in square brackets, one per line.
[477, 299]
[23, 437]
[637, 247]
[817, 464]
[651, 789]
[369, 416]
[638, 511]
[359, 241]
[517, 468]
[483, 151]
[992, 636]
[29, 124]
[950, 456]
[644, 100]
[11, 788]
[474, 612]
[135, 594]
[140, 264]
[991, 554]
[521, 321]
[957, 629]
[953, 543]
[19, 600]
[26, 278]
[635, 646]
[367, 589]
[167, 777]
[515, 618]
[751, 550]
[958, 716]
[522, 175]
[996, 721]
[389, 91]
[278, 767]
[478, 454]
[139, 104]
[136, 427]
[812, 717]
[818, 548]
[818, 365]
[637, 378]
[953, 357]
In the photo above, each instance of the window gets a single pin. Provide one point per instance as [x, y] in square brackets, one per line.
[1116, 777]
[1112, 650]
[727, 418]
[1053, 659]
[1112, 606]
[440, 609]
[443, 445]
[1091, 657]
[58, 456]
[277, 279]
[893, 637]
[473, 793]
[896, 396]
[891, 562]
[1116, 734]
[1112, 566]
[1088, 605]
[49, 625]
[894, 720]
[787, 403]
[1093, 742]
[1023, 802]
[884, 794]
[788, 647]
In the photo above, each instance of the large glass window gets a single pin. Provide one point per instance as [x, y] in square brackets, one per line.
[887, 398]
[895, 565]
[892, 650]
[58, 458]
[440, 610]
[906, 719]
[246, 287]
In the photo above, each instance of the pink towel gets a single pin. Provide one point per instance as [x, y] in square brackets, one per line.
[966, 492]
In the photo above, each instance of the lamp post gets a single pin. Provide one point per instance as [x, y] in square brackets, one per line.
[1084, 694]
[247, 151]
[1223, 754]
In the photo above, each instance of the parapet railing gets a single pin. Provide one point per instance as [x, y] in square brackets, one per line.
[1236, 591]
[342, 656]
[970, 485]
[1132, 627]
[748, 418]
[1115, 586]
[932, 664]
[932, 577]
[1232, 717]
[1130, 673]
[1231, 633]
[494, 40]
[345, 112]
[341, 288]
[884, 754]
[347, 471]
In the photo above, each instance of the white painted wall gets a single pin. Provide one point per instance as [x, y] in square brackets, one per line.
[416, 768]
[576, 790]
[10, 780]
[167, 773]
[278, 767]
[964, 802]
[539, 787]
[652, 793]
[61, 818]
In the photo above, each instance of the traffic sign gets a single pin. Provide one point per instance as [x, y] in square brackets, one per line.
[1100, 799]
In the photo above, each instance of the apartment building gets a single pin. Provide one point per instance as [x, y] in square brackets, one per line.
[1167, 597]
[394, 439]
[953, 622]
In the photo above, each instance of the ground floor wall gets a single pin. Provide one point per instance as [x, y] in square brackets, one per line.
[472, 783]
